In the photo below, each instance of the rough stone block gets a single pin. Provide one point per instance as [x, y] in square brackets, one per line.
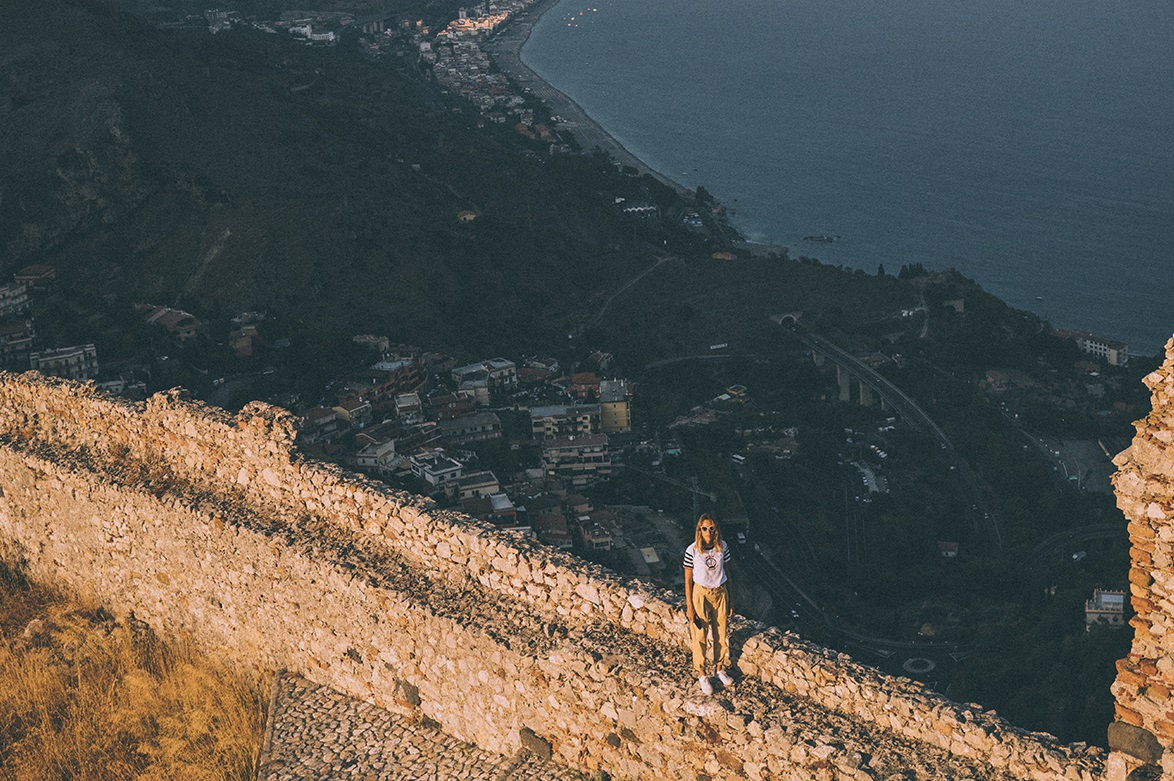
[1133, 740]
[1128, 715]
[1116, 767]
[1145, 773]
[1141, 577]
[535, 744]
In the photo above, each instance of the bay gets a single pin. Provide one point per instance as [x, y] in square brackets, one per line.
[1030, 144]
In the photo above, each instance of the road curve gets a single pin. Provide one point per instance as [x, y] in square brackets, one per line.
[982, 514]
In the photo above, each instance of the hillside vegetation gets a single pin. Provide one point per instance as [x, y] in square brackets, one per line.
[240, 171]
[89, 698]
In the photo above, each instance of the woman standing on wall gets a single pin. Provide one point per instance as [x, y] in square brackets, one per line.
[708, 600]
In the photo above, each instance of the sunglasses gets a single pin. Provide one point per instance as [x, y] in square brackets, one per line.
[708, 528]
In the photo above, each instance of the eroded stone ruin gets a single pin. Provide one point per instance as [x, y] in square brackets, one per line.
[209, 524]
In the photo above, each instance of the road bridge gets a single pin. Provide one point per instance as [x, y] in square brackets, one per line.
[894, 399]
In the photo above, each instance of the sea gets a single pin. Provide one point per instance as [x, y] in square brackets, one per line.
[1027, 143]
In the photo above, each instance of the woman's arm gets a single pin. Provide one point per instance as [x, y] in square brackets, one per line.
[729, 588]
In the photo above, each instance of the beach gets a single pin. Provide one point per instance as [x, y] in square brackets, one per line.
[505, 49]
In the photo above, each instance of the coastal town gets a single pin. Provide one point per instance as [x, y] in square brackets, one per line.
[476, 59]
[455, 55]
[520, 442]
[513, 443]
[419, 420]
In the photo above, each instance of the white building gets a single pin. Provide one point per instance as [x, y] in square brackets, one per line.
[377, 457]
[478, 485]
[76, 363]
[560, 420]
[1115, 353]
[14, 299]
[576, 461]
[1105, 608]
[437, 472]
[486, 377]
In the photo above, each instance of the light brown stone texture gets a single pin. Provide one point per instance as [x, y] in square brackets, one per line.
[316, 733]
[1145, 494]
[212, 525]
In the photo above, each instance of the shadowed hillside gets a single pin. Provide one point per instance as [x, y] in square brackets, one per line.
[241, 171]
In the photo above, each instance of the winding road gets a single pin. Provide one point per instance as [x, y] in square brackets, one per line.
[982, 514]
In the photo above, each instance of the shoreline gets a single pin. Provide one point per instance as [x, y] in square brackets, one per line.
[505, 50]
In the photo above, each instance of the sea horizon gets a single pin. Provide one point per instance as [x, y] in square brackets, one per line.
[1027, 147]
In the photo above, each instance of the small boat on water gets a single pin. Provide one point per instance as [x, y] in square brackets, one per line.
[822, 238]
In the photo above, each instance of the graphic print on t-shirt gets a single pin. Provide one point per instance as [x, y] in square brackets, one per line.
[707, 566]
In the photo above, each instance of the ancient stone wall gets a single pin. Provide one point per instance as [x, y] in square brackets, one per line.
[211, 524]
[1142, 735]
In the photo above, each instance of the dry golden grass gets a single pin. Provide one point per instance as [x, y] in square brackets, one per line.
[87, 698]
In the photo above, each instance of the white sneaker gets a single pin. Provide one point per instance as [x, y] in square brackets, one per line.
[706, 685]
[725, 678]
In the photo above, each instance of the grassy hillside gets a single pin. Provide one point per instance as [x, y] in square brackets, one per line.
[85, 697]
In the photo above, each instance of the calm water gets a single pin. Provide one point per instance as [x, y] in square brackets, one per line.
[1028, 143]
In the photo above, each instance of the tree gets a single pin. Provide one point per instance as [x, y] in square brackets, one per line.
[911, 271]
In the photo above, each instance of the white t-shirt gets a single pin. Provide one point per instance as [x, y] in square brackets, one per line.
[709, 566]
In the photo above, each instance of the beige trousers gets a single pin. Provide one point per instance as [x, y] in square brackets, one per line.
[711, 608]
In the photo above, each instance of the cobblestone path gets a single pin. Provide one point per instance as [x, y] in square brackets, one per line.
[318, 734]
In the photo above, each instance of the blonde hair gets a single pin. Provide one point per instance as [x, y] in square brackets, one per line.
[717, 533]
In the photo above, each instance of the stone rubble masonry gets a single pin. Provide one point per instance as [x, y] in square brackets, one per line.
[209, 524]
[1143, 730]
[316, 732]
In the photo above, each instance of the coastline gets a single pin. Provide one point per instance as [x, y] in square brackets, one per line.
[505, 49]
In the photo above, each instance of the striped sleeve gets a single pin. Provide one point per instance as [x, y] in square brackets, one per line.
[726, 554]
[688, 559]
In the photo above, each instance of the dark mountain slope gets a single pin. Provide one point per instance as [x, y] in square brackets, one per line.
[239, 171]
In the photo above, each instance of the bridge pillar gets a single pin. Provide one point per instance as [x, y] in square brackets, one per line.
[844, 380]
[867, 396]
[818, 358]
